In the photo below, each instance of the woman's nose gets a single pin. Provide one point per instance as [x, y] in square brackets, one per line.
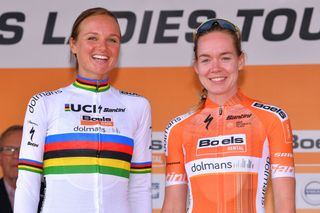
[215, 66]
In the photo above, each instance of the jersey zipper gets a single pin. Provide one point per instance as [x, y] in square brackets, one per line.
[97, 86]
[98, 153]
[98, 103]
[221, 122]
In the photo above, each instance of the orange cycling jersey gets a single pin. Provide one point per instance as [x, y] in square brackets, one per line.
[226, 153]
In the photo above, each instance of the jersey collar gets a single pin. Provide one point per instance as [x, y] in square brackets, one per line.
[236, 99]
[91, 84]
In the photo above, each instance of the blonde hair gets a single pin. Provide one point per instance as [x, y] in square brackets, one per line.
[203, 97]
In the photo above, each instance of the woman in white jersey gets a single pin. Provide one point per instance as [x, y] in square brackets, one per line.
[226, 150]
[88, 141]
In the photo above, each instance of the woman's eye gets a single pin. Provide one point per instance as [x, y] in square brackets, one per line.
[226, 58]
[92, 38]
[204, 60]
[113, 40]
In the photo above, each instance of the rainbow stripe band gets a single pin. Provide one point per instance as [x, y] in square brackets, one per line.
[70, 137]
[87, 153]
[30, 165]
[87, 169]
[76, 153]
[91, 85]
[141, 168]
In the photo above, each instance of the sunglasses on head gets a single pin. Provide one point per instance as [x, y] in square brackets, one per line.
[215, 22]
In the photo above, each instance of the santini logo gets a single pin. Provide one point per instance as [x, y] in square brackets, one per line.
[225, 140]
[242, 116]
[90, 108]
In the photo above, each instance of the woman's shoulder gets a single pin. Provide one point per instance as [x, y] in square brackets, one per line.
[268, 109]
[180, 119]
[130, 98]
[47, 94]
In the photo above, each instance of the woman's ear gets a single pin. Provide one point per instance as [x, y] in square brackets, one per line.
[72, 45]
[195, 67]
[241, 61]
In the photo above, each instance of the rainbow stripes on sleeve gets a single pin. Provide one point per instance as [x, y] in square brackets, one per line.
[30, 165]
[141, 168]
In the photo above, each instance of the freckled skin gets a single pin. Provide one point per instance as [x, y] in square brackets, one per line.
[218, 65]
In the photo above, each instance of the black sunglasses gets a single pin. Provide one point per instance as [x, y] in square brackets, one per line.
[212, 23]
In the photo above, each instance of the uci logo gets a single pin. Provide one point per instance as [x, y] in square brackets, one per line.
[225, 140]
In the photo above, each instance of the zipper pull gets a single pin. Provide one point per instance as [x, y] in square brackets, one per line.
[97, 86]
[220, 110]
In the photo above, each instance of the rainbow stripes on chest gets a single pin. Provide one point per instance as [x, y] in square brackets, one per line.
[88, 153]
[79, 153]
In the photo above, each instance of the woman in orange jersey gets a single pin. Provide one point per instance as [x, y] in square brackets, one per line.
[227, 149]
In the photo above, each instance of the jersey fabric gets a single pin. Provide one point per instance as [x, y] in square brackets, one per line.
[91, 143]
[226, 153]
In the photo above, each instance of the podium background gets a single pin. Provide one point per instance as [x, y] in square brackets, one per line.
[281, 42]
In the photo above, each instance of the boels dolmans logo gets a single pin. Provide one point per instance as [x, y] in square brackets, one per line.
[88, 120]
[222, 144]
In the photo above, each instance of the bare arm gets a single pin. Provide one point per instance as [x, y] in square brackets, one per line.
[284, 194]
[175, 199]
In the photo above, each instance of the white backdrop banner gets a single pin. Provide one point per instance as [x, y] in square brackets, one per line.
[159, 33]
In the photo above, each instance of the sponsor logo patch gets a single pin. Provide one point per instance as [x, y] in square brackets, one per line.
[96, 129]
[208, 120]
[283, 154]
[90, 108]
[175, 178]
[222, 165]
[88, 120]
[242, 116]
[222, 144]
[130, 93]
[241, 124]
[35, 98]
[275, 110]
[281, 170]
